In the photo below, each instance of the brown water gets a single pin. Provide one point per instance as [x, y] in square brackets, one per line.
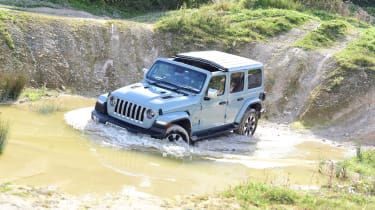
[43, 150]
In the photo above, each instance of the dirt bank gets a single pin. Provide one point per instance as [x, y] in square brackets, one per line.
[92, 56]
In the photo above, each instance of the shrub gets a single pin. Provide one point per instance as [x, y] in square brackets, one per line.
[281, 4]
[48, 108]
[11, 86]
[4, 128]
[333, 6]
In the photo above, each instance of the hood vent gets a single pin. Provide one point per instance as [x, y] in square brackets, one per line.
[167, 97]
[135, 86]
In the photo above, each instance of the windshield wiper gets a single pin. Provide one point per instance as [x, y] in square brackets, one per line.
[163, 84]
[191, 89]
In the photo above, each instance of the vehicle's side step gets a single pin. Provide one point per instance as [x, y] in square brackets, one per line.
[213, 132]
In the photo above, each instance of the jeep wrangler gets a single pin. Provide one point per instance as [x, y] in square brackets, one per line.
[188, 97]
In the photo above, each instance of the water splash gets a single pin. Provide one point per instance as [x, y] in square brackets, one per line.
[220, 147]
[271, 143]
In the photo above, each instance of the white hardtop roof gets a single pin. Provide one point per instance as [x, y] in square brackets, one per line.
[221, 60]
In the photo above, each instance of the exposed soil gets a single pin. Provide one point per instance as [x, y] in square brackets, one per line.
[93, 55]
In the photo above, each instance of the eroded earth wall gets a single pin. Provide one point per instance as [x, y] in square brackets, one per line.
[94, 56]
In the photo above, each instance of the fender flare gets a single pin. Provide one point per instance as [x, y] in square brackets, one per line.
[179, 118]
[169, 118]
[247, 104]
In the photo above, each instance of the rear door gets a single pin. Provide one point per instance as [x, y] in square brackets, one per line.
[236, 96]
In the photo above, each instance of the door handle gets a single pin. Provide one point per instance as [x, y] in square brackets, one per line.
[222, 102]
[239, 99]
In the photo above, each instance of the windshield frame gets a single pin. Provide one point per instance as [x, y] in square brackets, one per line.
[174, 71]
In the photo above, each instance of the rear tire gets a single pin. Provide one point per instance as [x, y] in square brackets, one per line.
[248, 123]
[177, 134]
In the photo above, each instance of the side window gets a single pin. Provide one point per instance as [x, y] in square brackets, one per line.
[255, 78]
[237, 82]
[218, 83]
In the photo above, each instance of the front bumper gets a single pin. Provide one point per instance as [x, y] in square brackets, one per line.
[156, 131]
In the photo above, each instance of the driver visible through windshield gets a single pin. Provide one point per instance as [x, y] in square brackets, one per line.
[177, 76]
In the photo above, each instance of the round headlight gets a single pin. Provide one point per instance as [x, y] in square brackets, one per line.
[150, 114]
[112, 100]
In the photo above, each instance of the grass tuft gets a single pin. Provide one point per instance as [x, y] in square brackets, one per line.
[4, 130]
[48, 108]
[229, 24]
[34, 94]
[363, 163]
[259, 194]
[5, 17]
[11, 86]
[281, 4]
[359, 55]
[325, 35]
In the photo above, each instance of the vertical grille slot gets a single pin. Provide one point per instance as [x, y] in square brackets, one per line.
[138, 112]
[130, 110]
[120, 107]
[116, 107]
[133, 110]
[143, 113]
[125, 107]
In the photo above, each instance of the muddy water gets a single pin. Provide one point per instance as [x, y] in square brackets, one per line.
[78, 156]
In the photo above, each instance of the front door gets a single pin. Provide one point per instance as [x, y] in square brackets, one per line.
[214, 109]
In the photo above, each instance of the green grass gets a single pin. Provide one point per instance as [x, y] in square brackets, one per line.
[281, 4]
[359, 55]
[5, 187]
[363, 163]
[229, 23]
[93, 8]
[110, 8]
[29, 3]
[265, 196]
[34, 94]
[326, 35]
[11, 86]
[4, 130]
[371, 10]
[346, 193]
[260, 195]
[4, 18]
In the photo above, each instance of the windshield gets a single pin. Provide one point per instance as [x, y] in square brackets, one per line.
[178, 76]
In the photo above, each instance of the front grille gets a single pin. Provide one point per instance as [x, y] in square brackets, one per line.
[129, 110]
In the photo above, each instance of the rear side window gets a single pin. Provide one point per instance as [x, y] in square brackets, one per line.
[254, 78]
[237, 82]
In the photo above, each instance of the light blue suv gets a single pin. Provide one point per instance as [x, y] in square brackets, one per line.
[188, 97]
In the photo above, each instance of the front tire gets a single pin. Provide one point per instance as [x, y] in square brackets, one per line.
[248, 123]
[177, 134]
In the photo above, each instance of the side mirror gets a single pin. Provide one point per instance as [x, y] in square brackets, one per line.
[212, 93]
[144, 71]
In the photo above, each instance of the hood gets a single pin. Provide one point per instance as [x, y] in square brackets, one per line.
[154, 97]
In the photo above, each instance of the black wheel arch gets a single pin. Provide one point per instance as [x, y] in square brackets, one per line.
[257, 106]
[185, 123]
